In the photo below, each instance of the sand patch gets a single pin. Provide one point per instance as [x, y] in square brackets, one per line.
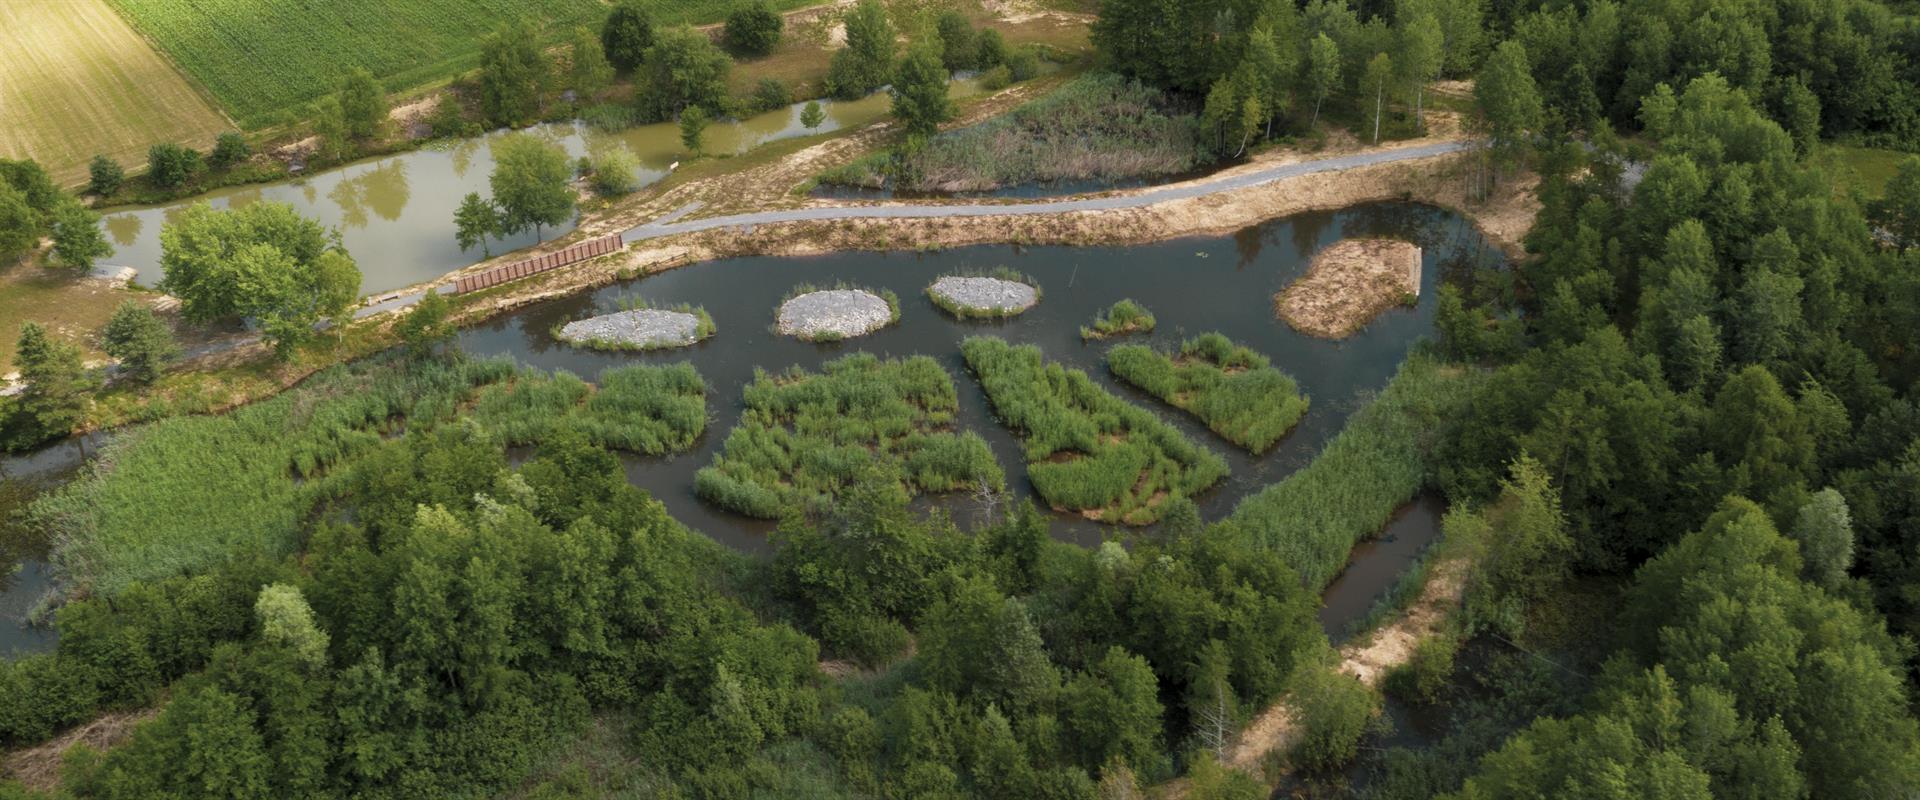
[38, 767]
[1348, 284]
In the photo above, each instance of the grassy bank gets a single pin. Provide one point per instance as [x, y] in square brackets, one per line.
[1231, 388]
[1122, 318]
[1099, 127]
[1087, 450]
[180, 495]
[805, 437]
[1376, 464]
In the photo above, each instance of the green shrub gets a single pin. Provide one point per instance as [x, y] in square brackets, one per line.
[1425, 674]
[995, 79]
[1122, 318]
[1231, 388]
[771, 95]
[1087, 450]
[805, 438]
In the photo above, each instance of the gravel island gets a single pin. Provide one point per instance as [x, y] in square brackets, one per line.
[834, 314]
[982, 297]
[643, 329]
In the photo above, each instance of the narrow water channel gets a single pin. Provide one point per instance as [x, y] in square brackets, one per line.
[1192, 285]
[395, 213]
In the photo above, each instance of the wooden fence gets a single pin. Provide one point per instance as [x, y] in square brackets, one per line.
[538, 264]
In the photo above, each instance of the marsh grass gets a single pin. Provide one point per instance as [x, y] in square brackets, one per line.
[178, 496]
[1002, 272]
[1122, 318]
[1231, 388]
[1087, 450]
[1375, 465]
[805, 437]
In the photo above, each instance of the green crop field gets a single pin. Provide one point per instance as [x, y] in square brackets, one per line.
[75, 82]
[265, 58]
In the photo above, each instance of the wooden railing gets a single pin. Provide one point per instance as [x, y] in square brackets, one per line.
[538, 264]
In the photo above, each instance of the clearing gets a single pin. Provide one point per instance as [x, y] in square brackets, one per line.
[77, 81]
[1348, 284]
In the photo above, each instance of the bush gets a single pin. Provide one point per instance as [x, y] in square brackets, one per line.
[1023, 65]
[1334, 710]
[805, 438]
[137, 338]
[105, 176]
[960, 48]
[753, 29]
[1231, 388]
[995, 79]
[1426, 673]
[771, 95]
[1123, 317]
[616, 172]
[171, 165]
[1087, 450]
[229, 148]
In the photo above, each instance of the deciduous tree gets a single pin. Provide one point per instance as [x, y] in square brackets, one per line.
[136, 338]
[627, 34]
[753, 29]
[77, 240]
[530, 183]
[866, 63]
[920, 93]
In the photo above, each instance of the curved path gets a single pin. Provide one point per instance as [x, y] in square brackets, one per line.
[666, 226]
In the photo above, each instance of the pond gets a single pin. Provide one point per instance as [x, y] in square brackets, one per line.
[1192, 285]
[395, 213]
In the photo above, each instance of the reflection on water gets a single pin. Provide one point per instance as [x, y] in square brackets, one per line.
[395, 213]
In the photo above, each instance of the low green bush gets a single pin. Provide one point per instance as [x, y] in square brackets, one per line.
[1120, 319]
[806, 437]
[1087, 450]
[1231, 388]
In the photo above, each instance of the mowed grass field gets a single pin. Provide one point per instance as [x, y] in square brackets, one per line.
[76, 80]
[265, 59]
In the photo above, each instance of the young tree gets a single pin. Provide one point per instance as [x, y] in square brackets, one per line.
[693, 125]
[1113, 711]
[959, 46]
[991, 50]
[684, 69]
[616, 171]
[753, 29]
[513, 72]
[169, 165]
[476, 219]
[362, 104]
[425, 327]
[286, 621]
[1323, 70]
[1824, 530]
[812, 115]
[330, 123]
[55, 398]
[105, 175]
[866, 63]
[77, 240]
[590, 71]
[627, 34]
[920, 93]
[1422, 55]
[1379, 73]
[1266, 72]
[136, 338]
[19, 224]
[1509, 101]
[229, 148]
[530, 183]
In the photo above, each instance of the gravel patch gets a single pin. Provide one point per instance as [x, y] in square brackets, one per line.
[994, 296]
[834, 314]
[642, 329]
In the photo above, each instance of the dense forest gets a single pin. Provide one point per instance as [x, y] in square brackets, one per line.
[1679, 439]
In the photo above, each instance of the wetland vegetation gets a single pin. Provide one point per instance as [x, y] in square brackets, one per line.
[1230, 387]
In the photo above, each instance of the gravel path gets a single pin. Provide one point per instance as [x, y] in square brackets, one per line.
[834, 314]
[662, 227]
[643, 328]
[994, 295]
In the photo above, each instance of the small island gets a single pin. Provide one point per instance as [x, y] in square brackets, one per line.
[1348, 284]
[1120, 319]
[997, 295]
[829, 315]
[639, 328]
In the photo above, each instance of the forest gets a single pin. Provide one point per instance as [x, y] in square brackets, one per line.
[1677, 438]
